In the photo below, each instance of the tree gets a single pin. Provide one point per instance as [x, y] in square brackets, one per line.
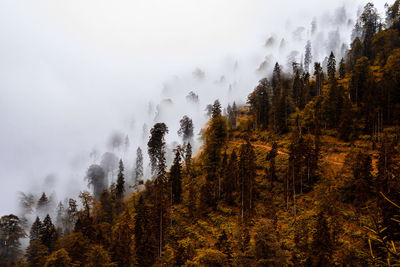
[77, 245]
[49, 233]
[144, 245]
[369, 20]
[216, 109]
[156, 149]
[307, 57]
[331, 67]
[120, 181]
[42, 203]
[230, 179]
[215, 137]
[176, 178]
[319, 77]
[59, 258]
[247, 174]
[95, 176]
[186, 129]
[259, 103]
[36, 230]
[138, 172]
[10, 233]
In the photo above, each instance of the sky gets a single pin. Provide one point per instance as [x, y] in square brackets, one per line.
[73, 73]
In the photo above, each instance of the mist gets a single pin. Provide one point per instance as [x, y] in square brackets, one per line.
[74, 74]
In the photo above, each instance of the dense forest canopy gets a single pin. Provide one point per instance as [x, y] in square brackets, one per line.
[307, 173]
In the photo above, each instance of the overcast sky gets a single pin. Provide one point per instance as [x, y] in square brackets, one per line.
[73, 72]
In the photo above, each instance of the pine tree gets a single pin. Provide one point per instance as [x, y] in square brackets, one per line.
[120, 181]
[307, 57]
[176, 178]
[96, 178]
[186, 129]
[138, 172]
[247, 174]
[230, 178]
[331, 67]
[36, 253]
[36, 230]
[319, 77]
[10, 233]
[42, 203]
[259, 102]
[144, 246]
[49, 234]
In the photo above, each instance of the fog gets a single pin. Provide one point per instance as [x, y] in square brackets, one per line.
[75, 73]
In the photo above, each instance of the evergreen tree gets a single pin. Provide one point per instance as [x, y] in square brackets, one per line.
[259, 102]
[10, 233]
[36, 230]
[186, 129]
[49, 234]
[215, 138]
[156, 149]
[96, 178]
[307, 57]
[138, 172]
[319, 77]
[120, 181]
[230, 179]
[176, 178]
[247, 174]
[331, 67]
[144, 245]
[42, 203]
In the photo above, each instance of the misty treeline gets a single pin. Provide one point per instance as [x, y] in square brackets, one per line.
[307, 174]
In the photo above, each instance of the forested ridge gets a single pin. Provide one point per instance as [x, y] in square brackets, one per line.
[306, 174]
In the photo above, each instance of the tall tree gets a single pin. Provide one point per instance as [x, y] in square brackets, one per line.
[247, 174]
[120, 188]
[176, 178]
[49, 233]
[138, 172]
[10, 233]
[96, 178]
[144, 245]
[259, 102]
[307, 57]
[186, 129]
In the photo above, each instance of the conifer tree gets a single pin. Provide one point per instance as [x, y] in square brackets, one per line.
[247, 174]
[186, 129]
[307, 57]
[176, 178]
[120, 188]
[144, 246]
[342, 69]
[36, 230]
[259, 102]
[138, 172]
[49, 234]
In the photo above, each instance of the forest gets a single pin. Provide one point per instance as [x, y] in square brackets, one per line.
[307, 173]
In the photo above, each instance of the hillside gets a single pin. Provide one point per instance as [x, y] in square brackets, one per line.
[305, 174]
